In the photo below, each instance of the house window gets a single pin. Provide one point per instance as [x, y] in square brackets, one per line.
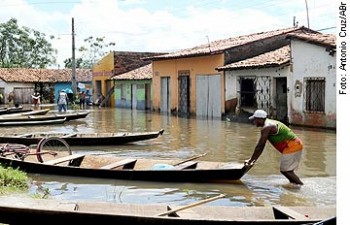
[315, 94]
[247, 89]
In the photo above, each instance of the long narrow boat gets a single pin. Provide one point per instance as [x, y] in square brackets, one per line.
[50, 116]
[48, 211]
[83, 139]
[160, 170]
[27, 113]
[33, 122]
[71, 115]
[20, 109]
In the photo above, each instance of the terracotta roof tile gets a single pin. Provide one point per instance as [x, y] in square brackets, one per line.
[142, 73]
[127, 61]
[321, 39]
[218, 46]
[274, 58]
[26, 75]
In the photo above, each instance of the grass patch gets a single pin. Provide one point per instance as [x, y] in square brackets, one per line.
[12, 180]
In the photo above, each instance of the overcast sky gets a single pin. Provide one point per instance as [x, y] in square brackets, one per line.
[163, 25]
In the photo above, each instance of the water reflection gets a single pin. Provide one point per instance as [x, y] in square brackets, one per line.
[251, 191]
[183, 138]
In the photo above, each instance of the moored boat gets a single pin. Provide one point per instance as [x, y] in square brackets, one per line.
[10, 110]
[33, 122]
[20, 211]
[71, 115]
[50, 116]
[160, 170]
[26, 113]
[83, 139]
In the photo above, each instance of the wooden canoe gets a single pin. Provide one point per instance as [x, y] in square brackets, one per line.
[109, 167]
[48, 211]
[83, 139]
[74, 115]
[50, 116]
[20, 109]
[27, 113]
[33, 122]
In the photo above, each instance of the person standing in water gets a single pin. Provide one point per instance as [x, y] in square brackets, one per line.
[62, 101]
[283, 139]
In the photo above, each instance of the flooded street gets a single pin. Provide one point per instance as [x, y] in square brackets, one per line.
[183, 138]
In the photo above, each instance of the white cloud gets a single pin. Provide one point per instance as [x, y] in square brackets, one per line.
[136, 26]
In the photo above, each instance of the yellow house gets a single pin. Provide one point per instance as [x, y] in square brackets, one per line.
[175, 83]
[188, 82]
[113, 64]
[101, 73]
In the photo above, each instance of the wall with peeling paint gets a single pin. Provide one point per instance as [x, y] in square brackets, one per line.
[232, 85]
[309, 60]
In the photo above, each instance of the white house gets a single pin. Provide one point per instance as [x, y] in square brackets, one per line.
[294, 84]
[312, 86]
[260, 82]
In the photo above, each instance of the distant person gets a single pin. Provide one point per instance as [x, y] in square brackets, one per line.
[36, 99]
[62, 101]
[11, 99]
[82, 97]
[283, 139]
[88, 98]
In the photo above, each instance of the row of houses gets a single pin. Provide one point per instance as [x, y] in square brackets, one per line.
[288, 72]
[23, 82]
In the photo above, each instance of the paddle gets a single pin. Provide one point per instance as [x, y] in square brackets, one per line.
[190, 159]
[191, 205]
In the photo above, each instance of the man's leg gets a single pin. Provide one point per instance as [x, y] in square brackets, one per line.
[292, 177]
[290, 162]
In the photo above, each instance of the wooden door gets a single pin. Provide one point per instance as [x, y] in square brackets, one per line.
[208, 96]
[184, 95]
[281, 99]
[165, 95]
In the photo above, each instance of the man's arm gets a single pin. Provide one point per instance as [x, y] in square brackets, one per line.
[259, 148]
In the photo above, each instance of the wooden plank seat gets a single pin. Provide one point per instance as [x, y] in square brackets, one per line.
[281, 212]
[74, 160]
[186, 165]
[24, 135]
[125, 164]
[69, 135]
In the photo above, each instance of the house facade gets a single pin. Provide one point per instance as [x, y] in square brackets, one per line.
[132, 90]
[259, 82]
[112, 65]
[175, 82]
[22, 82]
[312, 92]
[294, 84]
[187, 82]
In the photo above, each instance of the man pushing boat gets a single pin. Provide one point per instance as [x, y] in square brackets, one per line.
[283, 139]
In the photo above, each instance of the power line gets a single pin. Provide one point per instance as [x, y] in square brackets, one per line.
[328, 28]
[45, 3]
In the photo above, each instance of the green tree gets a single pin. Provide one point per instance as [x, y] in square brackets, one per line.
[78, 63]
[24, 47]
[93, 50]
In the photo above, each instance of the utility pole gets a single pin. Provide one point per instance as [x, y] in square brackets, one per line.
[307, 14]
[74, 82]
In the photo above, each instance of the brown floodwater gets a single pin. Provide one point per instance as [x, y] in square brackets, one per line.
[221, 140]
